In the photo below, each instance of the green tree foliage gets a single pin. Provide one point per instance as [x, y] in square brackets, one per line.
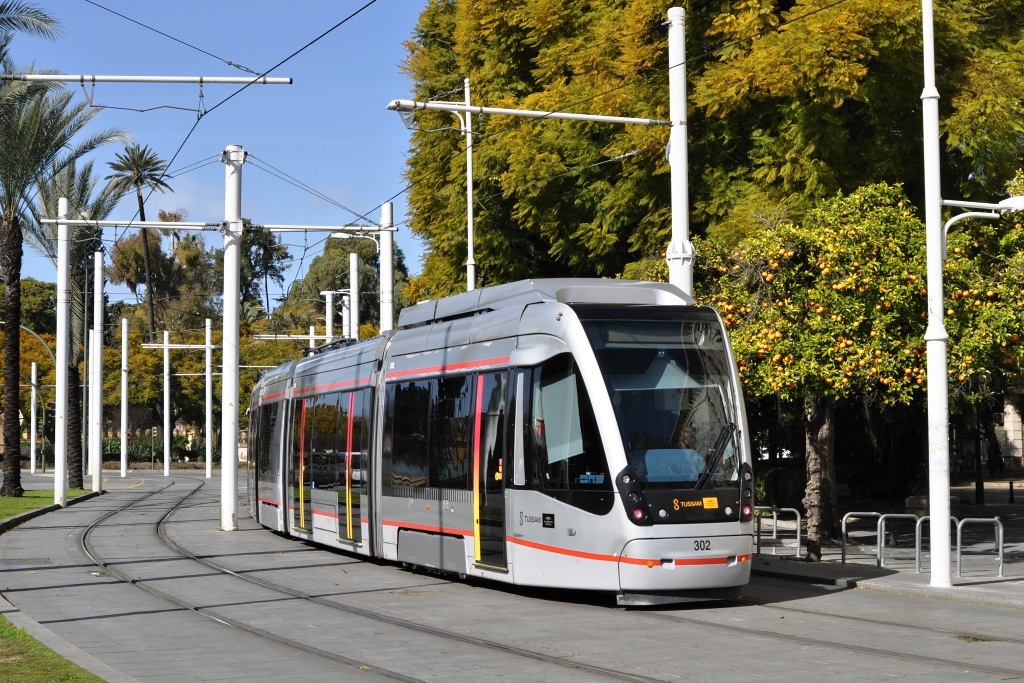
[329, 271]
[128, 264]
[264, 258]
[550, 197]
[38, 301]
[789, 103]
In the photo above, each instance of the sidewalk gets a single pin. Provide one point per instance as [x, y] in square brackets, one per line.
[979, 582]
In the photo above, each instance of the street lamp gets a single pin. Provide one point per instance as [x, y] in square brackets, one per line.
[936, 342]
[466, 121]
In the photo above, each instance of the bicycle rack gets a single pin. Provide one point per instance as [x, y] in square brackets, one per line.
[775, 526]
[979, 520]
[854, 515]
[880, 562]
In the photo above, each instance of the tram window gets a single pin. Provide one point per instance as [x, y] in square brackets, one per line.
[492, 431]
[450, 411]
[407, 413]
[265, 420]
[301, 432]
[324, 423]
[360, 436]
[562, 433]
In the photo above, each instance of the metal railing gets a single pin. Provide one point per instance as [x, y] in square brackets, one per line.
[979, 520]
[775, 526]
[854, 515]
[880, 560]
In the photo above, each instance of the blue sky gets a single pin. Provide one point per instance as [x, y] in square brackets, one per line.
[329, 130]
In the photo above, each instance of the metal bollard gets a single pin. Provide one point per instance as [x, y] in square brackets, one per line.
[1011, 492]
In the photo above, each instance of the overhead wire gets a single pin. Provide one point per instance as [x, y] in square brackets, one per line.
[234, 94]
[170, 37]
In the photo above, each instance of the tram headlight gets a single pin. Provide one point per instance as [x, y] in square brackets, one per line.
[747, 511]
[639, 514]
[633, 496]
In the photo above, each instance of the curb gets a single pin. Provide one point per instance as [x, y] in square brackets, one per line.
[11, 522]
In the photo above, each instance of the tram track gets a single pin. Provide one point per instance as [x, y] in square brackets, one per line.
[474, 641]
[110, 568]
[753, 620]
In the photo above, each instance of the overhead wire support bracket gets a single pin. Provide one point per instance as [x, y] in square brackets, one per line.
[200, 80]
[455, 107]
[92, 80]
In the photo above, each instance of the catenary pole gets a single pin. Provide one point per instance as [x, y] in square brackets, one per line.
[96, 410]
[329, 315]
[60, 426]
[209, 398]
[935, 335]
[124, 397]
[470, 258]
[233, 158]
[167, 403]
[387, 269]
[35, 418]
[680, 254]
[353, 277]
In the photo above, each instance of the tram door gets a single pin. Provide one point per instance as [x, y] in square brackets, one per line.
[301, 470]
[490, 462]
[354, 445]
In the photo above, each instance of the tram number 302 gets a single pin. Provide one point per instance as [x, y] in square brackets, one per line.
[702, 544]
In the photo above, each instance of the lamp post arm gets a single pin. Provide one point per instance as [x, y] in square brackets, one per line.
[959, 217]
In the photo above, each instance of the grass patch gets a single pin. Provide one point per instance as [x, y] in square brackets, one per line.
[31, 500]
[23, 659]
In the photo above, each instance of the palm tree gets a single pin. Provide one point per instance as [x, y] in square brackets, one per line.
[37, 129]
[21, 16]
[136, 168]
[78, 186]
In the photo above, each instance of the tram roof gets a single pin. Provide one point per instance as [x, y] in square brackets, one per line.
[561, 290]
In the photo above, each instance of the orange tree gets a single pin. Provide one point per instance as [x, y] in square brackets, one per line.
[835, 308]
[825, 310]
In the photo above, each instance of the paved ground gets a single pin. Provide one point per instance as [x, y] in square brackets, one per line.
[51, 590]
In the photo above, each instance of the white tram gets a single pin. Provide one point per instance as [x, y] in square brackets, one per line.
[567, 433]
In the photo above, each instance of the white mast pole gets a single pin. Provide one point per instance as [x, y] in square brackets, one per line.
[233, 158]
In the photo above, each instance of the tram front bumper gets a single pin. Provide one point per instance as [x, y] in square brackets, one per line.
[685, 563]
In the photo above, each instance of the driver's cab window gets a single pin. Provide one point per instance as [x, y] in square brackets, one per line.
[562, 437]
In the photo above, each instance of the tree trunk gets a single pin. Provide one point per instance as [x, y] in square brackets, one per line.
[74, 421]
[146, 265]
[10, 266]
[821, 498]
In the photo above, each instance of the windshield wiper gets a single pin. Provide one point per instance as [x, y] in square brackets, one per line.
[715, 455]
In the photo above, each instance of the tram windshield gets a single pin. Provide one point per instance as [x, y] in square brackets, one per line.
[670, 381]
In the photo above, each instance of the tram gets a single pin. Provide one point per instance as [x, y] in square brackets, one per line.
[563, 433]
